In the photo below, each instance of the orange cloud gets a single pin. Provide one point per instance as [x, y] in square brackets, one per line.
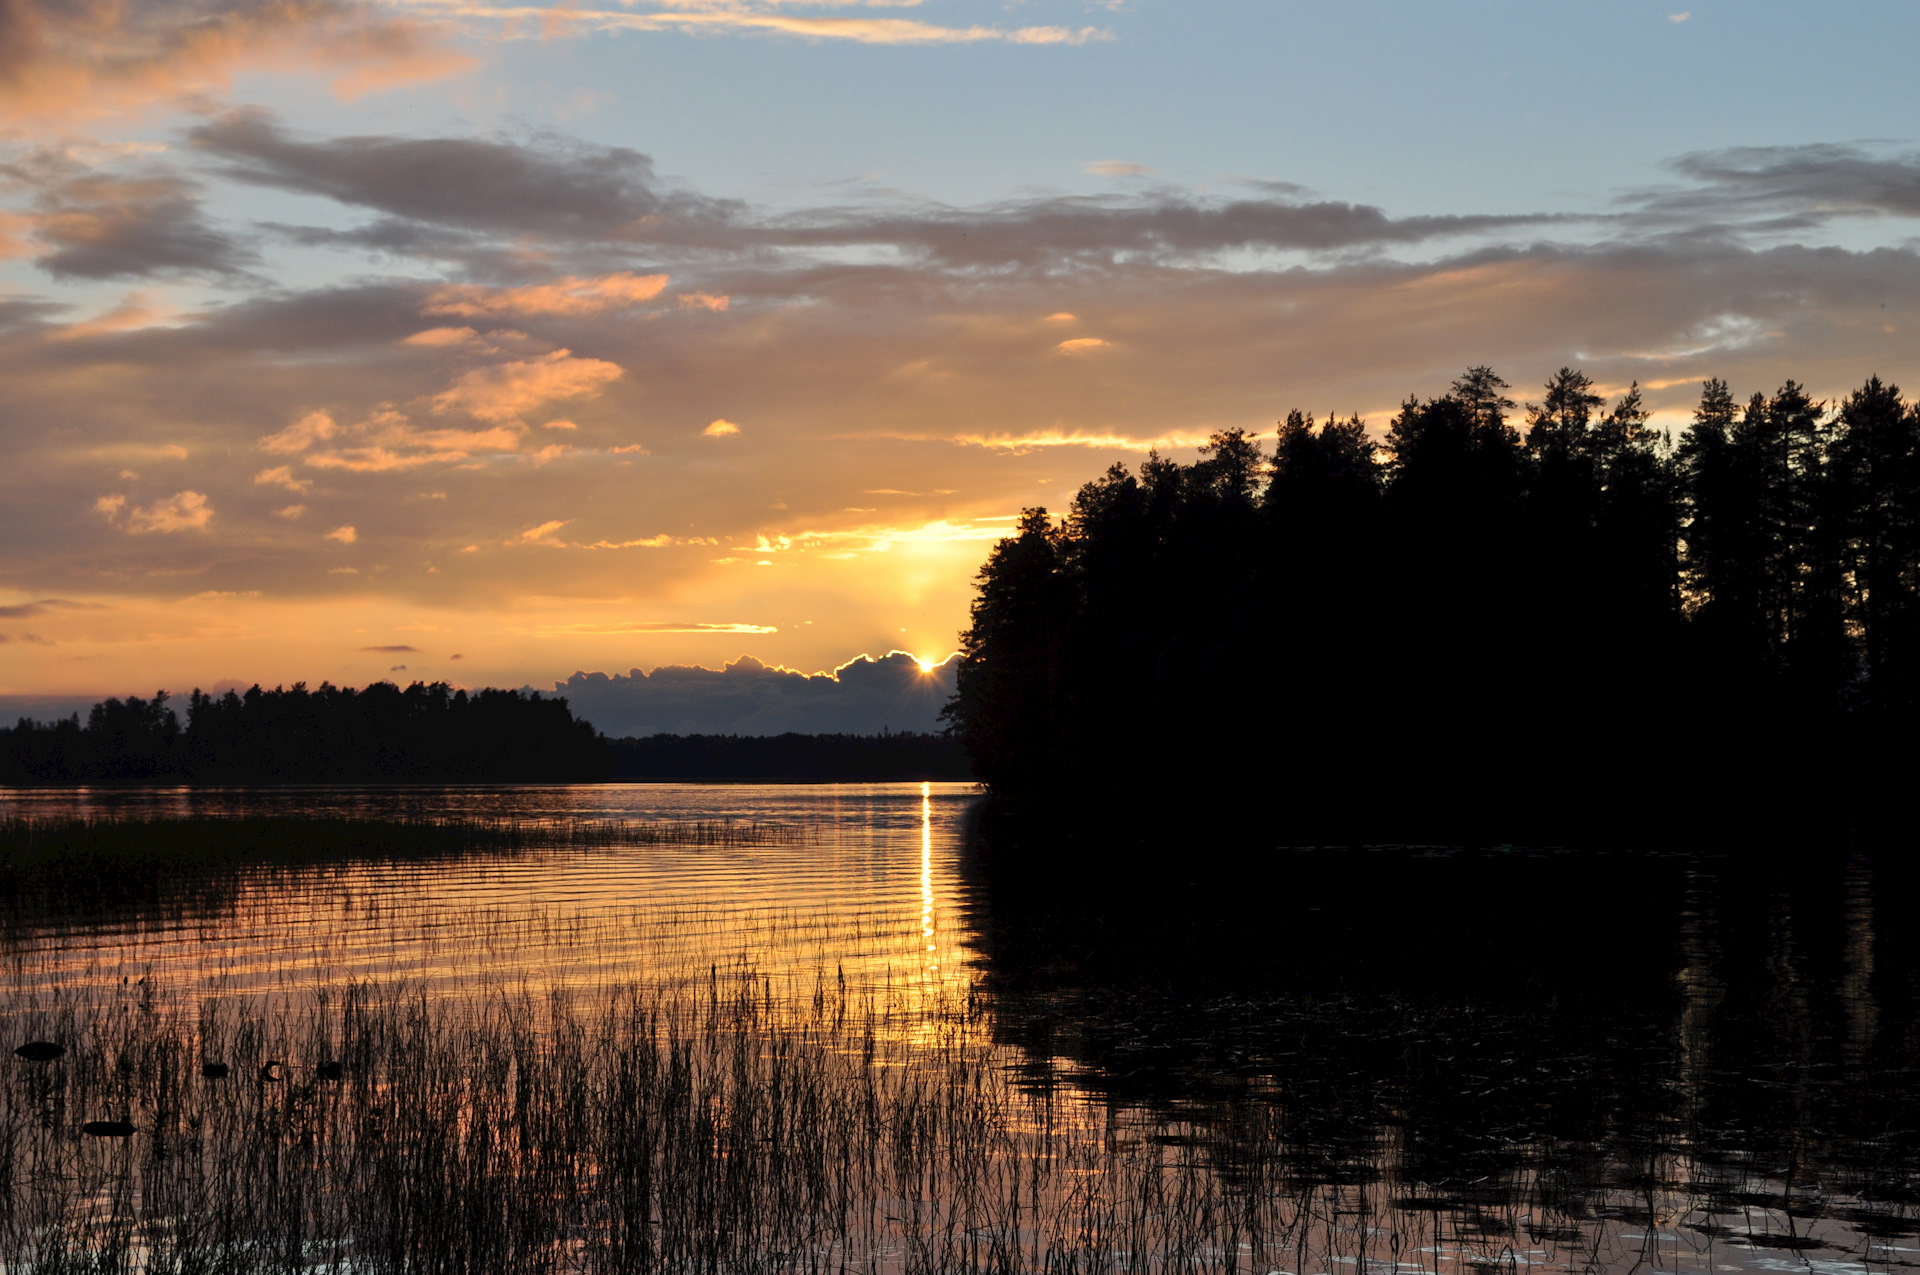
[543, 534]
[650, 542]
[502, 392]
[401, 446]
[661, 626]
[721, 18]
[314, 427]
[66, 59]
[1081, 344]
[438, 338]
[386, 441]
[703, 301]
[281, 476]
[720, 429]
[182, 511]
[569, 296]
[345, 535]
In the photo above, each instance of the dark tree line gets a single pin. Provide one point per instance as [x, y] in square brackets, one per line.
[1490, 620]
[382, 734]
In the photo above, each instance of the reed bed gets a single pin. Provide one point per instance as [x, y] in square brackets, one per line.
[692, 1125]
[719, 1121]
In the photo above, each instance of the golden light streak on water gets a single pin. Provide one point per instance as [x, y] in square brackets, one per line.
[926, 875]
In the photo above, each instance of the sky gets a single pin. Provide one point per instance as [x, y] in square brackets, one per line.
[499, 344]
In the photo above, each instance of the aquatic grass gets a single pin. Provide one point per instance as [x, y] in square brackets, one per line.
[704, 1120]
[686, 1127]
[67, 864]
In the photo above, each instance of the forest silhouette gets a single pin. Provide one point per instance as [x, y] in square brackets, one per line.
[427, 733]
[1474, 628]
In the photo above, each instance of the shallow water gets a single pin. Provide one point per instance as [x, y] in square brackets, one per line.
[1414, 1060]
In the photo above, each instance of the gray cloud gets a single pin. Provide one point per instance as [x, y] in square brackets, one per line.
[749, 698]
[106, 224]
[1782, 188]
[390, 650]
[129, 230]
[555, 187]
[464, 200]
[22, 610]
[572, 191]
[1101, 230]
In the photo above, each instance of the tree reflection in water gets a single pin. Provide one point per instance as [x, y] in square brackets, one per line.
[1452, 1059]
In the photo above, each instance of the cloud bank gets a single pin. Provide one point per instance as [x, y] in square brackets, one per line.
[863, 696]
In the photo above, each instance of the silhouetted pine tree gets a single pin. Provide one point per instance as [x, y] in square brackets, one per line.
[1876, 473]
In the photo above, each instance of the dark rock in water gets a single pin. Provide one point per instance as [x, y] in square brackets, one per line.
[214, 1071]
[270, 1071]
[41, 1051]
[108, 1128]
[332, 1071]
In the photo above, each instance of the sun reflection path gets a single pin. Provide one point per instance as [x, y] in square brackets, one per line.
[926, 875]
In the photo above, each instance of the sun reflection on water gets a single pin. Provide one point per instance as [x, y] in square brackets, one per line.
[926, 876]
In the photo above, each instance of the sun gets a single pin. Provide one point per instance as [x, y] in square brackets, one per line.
[926, 666]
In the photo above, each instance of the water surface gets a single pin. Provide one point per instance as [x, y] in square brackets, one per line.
[1411, 1059]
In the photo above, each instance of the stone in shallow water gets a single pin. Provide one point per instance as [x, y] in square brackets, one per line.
[214, 1070]
[41, 1051]
[107, 1128]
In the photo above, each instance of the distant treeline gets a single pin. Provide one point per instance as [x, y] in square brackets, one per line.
[427, 733]
[848, 758]
[1470, 627]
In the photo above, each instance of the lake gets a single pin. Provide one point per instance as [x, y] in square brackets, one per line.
[853, 1047]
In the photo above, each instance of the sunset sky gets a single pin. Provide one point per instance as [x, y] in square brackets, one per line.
[497, 343]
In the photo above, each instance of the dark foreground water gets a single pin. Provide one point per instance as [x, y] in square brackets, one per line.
[1407, 1059]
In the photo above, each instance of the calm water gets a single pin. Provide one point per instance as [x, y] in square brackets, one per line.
[871, 893]
[1451, 1061]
